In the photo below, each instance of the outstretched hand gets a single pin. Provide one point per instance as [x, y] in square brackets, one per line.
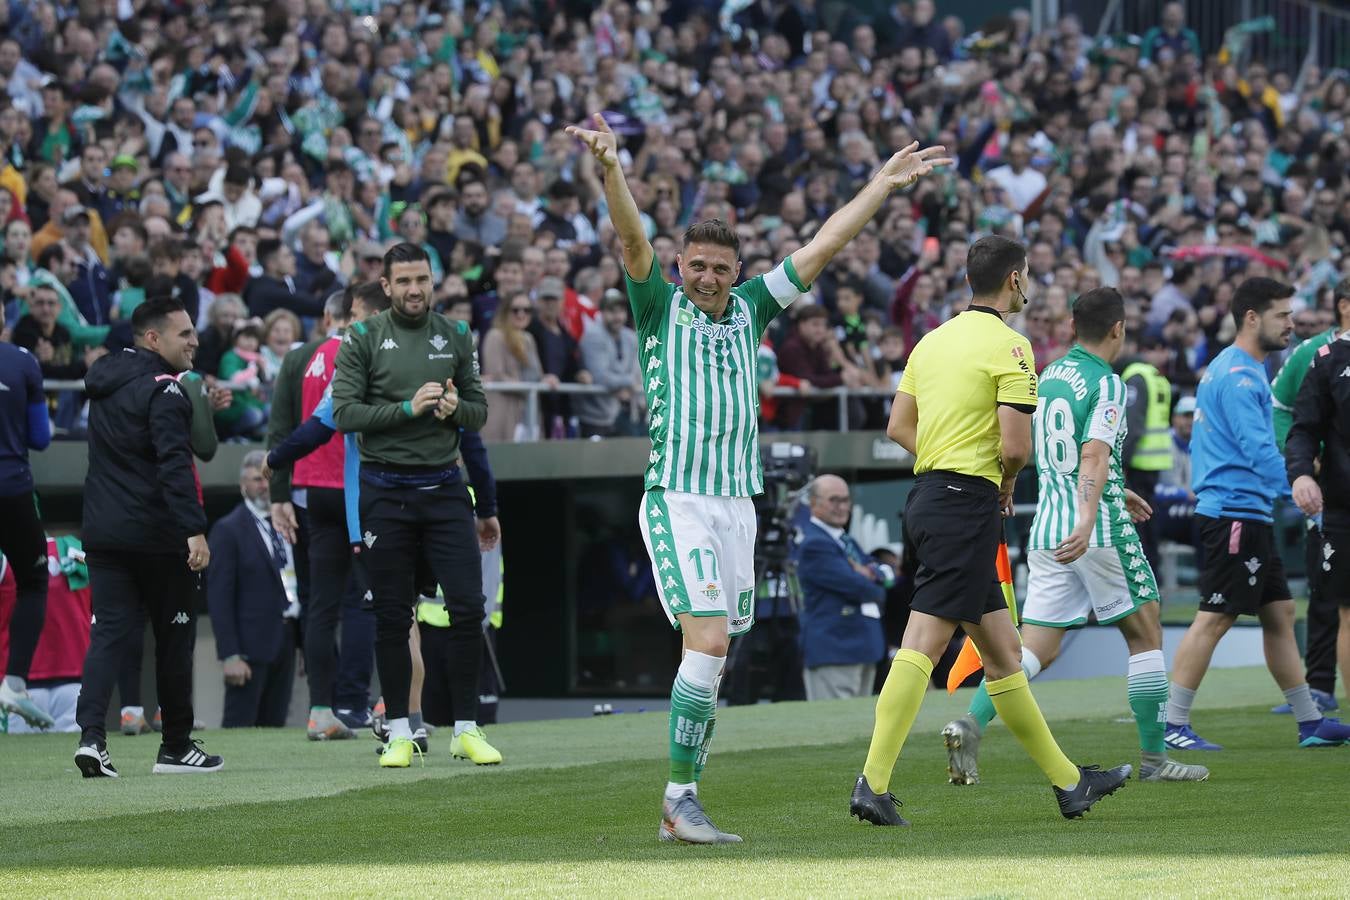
[599, 140]
[910, 164]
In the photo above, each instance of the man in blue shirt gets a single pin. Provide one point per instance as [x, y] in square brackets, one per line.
[24, 426]
[1237, 473]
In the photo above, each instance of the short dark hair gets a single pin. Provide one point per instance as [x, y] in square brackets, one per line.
[1096, 312]
[404, 252]
[49, 253]
[1339, 293]
[814, 311]
[268, 248]
[168, 249]
[153, 314]
[1256, 295]
[238, 175]
[372, 297]
[713, 231]
[990, 260]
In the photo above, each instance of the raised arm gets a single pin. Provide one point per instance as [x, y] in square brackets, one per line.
[623, 211]
[900, 171]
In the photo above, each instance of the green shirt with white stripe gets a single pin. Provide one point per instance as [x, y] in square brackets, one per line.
[700, 380]
[1081, 399]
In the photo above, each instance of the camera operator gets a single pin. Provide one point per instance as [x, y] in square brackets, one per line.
[141, 506]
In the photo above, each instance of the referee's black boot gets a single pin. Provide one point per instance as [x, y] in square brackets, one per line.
[1093, 784]
[879, 809]
[93, 761]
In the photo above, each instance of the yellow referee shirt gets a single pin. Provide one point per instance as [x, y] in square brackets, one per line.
[958, 375]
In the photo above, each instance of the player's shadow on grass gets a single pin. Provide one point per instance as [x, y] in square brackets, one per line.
[789, 803]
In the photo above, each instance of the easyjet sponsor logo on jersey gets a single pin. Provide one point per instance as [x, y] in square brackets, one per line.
[708, 329]
[1070, 376]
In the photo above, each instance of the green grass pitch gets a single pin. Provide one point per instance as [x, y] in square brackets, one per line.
[574, 812]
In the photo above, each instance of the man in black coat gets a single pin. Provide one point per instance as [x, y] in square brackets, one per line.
[276, 287]
[142, 508]
[250, 592]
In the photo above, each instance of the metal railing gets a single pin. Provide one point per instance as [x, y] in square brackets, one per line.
[1296, 35]
[534, 391]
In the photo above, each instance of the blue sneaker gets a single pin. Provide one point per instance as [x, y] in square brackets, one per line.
[355, 719]
[1182, 737]
[1323, 733]
[1325, 703]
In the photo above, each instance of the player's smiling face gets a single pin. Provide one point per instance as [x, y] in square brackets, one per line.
[409, 287]
[708, 272]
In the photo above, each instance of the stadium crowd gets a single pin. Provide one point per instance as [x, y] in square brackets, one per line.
[249, 160]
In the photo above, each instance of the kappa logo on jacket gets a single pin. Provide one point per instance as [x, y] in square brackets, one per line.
[389, 344]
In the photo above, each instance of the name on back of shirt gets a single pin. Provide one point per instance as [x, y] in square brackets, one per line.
[1069, 374]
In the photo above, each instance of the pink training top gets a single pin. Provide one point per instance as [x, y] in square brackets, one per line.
[323, 467]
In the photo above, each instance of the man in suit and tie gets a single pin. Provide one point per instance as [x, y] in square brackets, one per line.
[842, 596]
[250, 592]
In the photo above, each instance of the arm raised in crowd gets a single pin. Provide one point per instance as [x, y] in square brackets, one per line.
[623, 211]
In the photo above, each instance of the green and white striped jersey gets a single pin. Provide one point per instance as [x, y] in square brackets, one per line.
[701, 384]
[1081, 400]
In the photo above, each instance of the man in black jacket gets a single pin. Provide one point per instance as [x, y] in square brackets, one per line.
[276, 288]
[1321, 432]
[141, 506]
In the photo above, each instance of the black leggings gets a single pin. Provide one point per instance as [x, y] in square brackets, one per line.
[24, 545]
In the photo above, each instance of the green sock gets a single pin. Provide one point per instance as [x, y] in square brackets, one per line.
[691, 710]
[981, 707]
[1147, 686]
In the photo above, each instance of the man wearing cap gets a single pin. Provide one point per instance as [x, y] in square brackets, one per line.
[558, 353]
[92, 288]
[609, 352]
[123, 195]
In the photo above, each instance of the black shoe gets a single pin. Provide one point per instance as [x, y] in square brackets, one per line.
[1093, 785]
[192, 761]
[879, 809]
[93, 761]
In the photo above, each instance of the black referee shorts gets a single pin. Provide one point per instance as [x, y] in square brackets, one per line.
[1242, 570]
[952, 525]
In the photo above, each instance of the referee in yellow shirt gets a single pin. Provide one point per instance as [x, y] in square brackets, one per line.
[964, 410]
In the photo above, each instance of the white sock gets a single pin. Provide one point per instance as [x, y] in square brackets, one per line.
[701, 669]
[398, 728]
[1179, 701]
[16, 684]
[138, 711]
[1031, 664]
[675, 791]
[463, 725]
[1301, 702]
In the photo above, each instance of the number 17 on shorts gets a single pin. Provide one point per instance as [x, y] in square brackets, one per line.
[702, 552]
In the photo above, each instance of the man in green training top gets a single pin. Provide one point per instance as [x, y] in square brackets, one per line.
[406, 383]
[1084, 553]
[698, 345]
[1323, 613]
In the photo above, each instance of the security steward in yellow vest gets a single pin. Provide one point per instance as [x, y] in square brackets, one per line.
[1148, 415]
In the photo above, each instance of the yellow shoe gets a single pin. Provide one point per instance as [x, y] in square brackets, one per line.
[399, 754]
[473, 746]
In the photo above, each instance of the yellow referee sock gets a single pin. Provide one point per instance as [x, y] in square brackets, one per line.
[897, 707]
[1018, 710]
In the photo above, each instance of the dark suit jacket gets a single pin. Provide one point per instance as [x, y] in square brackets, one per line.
[834, 632]
[265, 293]
[244, 593]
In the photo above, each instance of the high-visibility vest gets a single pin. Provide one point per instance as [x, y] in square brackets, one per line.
[1153, 452]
